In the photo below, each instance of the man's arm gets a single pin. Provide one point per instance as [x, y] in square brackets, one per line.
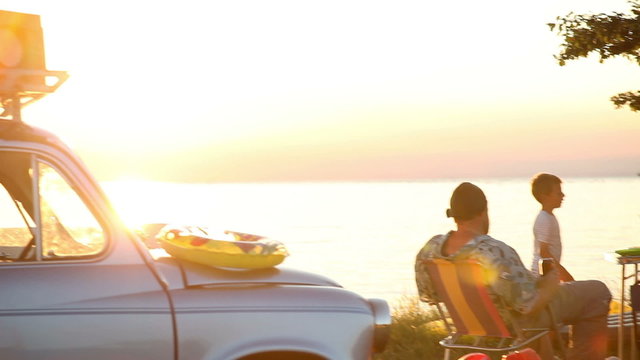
[516, 285]
[547, 287]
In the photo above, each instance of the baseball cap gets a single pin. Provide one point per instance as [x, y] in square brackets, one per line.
[466, 202]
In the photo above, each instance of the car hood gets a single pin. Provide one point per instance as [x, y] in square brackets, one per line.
[194, 274]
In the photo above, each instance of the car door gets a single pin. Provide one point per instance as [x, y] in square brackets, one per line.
[66, 289]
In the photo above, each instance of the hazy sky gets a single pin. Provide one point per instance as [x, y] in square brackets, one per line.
[331, 90]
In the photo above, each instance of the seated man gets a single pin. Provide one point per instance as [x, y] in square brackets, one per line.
[584, 304]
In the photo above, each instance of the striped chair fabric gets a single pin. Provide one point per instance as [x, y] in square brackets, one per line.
[463, 287]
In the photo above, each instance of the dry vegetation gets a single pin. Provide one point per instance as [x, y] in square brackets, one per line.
[414, 334]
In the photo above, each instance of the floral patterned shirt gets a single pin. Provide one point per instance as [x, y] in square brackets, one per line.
[514, 283]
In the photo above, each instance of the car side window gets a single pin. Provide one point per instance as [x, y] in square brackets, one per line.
[68, 227]
[42, 217]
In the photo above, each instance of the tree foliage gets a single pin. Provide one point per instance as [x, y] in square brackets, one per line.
[608, 35]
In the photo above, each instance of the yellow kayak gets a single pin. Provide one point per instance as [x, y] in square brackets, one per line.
[253, 252]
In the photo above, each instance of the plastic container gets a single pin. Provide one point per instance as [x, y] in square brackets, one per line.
[524, 354]
[475, 356]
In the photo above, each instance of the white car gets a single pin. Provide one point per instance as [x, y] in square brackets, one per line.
[75, 283]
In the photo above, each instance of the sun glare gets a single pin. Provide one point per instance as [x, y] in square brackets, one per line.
[140, 202]
[133, 199]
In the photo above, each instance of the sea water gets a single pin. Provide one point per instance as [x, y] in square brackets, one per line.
[365, 235]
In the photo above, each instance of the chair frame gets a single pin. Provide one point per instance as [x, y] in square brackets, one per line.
[506, 330]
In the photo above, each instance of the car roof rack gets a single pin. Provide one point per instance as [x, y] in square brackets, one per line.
[21, 87]
[24, 77]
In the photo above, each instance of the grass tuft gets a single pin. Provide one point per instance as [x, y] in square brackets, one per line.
[415, 332]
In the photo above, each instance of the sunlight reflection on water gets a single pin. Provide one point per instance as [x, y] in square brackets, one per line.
[366, 235]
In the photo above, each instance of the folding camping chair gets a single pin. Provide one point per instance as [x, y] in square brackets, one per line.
[474, 321]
